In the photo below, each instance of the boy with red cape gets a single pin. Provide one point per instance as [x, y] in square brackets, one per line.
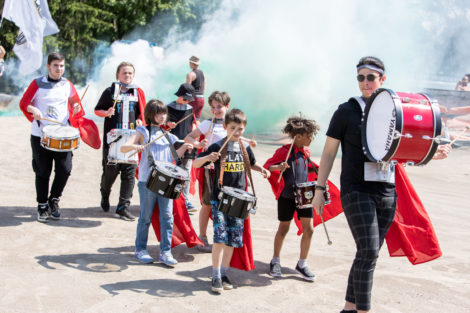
[291, 165]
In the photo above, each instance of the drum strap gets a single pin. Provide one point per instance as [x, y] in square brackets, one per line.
[175, 156]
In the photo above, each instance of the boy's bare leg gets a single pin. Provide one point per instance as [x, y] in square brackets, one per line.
[204, 219]
[227, 256]
[281, 233]
[307, 233]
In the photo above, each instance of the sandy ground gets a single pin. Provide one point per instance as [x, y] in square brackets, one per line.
[84, 262]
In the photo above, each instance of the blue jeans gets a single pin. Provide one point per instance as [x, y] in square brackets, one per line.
[147, 202]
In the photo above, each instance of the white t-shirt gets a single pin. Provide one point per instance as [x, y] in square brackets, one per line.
[52, 99]
[218, 131]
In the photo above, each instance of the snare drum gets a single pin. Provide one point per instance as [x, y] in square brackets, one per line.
[60, 138]
[167, 179]
[116, 138]
[236, 202]
[304, 193]
[400, 127]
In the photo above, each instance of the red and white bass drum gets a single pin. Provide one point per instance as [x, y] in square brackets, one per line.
[401, 127]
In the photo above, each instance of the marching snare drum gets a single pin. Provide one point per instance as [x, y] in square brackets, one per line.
[400, 127]
[116, 138]
[236, 202]
[304, 193]
[61, 138]
[167, 179]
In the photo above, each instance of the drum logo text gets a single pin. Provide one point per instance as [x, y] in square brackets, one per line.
[391, 131]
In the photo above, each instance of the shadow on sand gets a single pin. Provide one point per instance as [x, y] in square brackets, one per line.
[70, 217]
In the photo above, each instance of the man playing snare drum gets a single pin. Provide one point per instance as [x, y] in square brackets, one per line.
[47, 99]
[122, 106]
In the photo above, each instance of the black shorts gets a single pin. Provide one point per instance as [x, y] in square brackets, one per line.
[286, 208]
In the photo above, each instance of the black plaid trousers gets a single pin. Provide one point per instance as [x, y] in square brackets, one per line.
[369, 217]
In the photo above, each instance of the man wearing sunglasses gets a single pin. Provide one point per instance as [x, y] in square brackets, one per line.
[369, 206]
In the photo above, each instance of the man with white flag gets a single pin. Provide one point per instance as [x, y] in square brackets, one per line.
[35, 21]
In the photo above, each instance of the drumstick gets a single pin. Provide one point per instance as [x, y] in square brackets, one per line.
[84, 93]
[326, 232]
[228, 139]
[459, 135]
[164, 133]
[50, 120]
[81, 99]
[287, 157]
[209, 131]
[117, 97]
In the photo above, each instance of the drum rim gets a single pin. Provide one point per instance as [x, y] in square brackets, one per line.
[186, 178]
[436, 113]
[309, 183]
[398, 125]
[233, 188]
[44, 135]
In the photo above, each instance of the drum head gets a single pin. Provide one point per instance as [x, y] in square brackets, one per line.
[171, 170]
[382, 116]
[238, 193]
[307, 184]
[61, 131]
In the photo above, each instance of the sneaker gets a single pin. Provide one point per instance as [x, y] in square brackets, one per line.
[167, 259]
[305, 273]
[143, 256]
[207, 248]
[226, 283]
[54, 208]
[105, 203]
[43, 213]
[190, 207]
[124, 214]
[217, 285]
[275, 269]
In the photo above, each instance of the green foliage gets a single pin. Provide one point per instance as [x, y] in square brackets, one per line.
[84, 24]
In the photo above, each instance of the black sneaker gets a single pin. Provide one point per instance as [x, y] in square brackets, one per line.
[226, 284]
[275, 269]
[43, 213]
[105, 203]
[54, 208]
[217, 285]
[305, 273]
[125, 214]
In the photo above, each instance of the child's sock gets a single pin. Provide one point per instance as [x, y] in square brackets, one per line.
[302, 263]
[216, 272]
[223, 271]
[276, 260]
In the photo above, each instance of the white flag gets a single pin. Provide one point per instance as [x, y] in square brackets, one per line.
[35, 21]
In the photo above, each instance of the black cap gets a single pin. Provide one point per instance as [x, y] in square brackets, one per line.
[186, 91]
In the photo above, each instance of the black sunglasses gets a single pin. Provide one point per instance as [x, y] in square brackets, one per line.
[370, 77]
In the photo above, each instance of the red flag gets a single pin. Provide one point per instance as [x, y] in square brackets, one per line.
[411, 233]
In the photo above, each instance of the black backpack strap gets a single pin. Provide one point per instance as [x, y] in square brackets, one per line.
[172, 149]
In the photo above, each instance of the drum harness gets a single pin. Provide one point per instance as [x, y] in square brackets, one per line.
[246, 161]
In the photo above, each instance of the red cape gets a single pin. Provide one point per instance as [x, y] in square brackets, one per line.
[411, 233]
[89, 132]
[330, 211]
[183, 231]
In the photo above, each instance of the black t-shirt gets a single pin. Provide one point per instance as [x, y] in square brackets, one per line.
[116, 121]
[234, 173]
[345, 125]
[176, 112]
[198, 83]
[300, 165]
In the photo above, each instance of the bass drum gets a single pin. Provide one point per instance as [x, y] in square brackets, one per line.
[400, 127]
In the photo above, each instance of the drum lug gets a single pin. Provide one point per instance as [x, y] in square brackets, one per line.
[394, 162]
[406, 99]
[410, 163]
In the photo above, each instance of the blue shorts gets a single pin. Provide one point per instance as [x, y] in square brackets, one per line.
[227, 229]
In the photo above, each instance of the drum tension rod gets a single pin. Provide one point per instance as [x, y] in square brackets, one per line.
[398, 135]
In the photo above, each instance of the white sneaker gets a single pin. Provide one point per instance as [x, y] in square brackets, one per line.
[143, 256]
[167, 259]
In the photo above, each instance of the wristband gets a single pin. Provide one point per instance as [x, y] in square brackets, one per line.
[318, 187]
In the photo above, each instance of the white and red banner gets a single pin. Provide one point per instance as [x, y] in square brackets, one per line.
[34, 21]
